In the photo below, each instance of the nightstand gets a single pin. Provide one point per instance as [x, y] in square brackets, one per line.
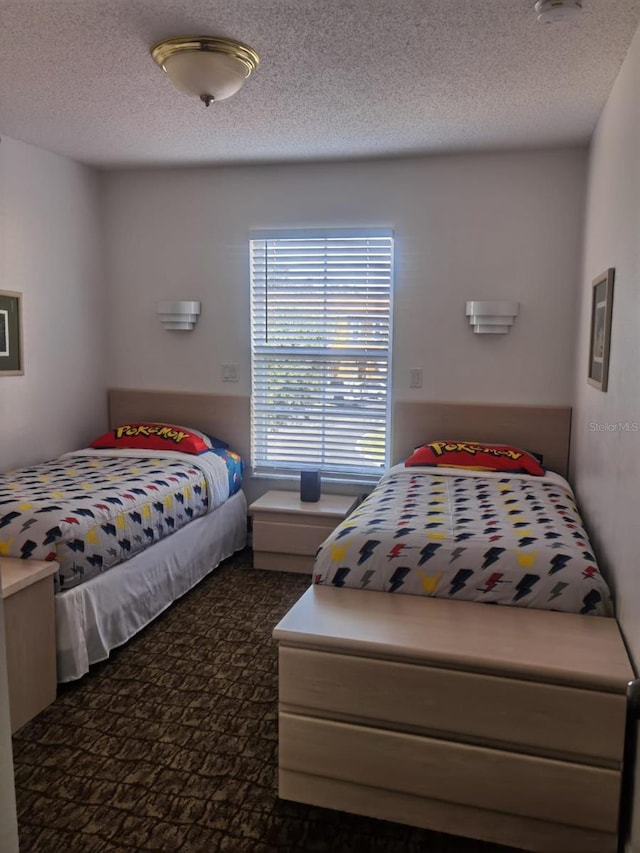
[30, 636]
[287, 532]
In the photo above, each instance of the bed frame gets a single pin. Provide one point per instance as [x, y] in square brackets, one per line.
[224, 415]
[543, 429]
[174, 564]
[500, 723]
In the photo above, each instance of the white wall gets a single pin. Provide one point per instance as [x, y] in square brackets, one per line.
[606, 465]
[467, 227]
[50, 251]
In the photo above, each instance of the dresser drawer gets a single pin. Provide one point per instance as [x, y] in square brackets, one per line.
[300, 563]
[494, 779]
[29, 621]
[552, 719]
[290, 538]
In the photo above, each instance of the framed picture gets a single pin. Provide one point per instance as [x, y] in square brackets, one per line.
[601, 304]
[10, 333]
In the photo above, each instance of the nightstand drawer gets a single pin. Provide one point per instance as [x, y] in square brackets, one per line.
[287, 532]
[288, 538]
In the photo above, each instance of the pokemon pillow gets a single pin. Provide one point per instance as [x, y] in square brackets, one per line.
[477, 456]
[152, 436]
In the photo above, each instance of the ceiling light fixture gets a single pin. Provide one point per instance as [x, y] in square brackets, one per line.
[205, 67]
[553, 11]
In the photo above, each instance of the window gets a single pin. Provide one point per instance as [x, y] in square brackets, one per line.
[321, 326]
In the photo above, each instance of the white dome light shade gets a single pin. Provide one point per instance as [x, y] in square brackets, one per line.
[205, 67]
[555, 11]
[198, 74]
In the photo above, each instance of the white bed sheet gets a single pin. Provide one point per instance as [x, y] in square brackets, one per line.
[102, 614]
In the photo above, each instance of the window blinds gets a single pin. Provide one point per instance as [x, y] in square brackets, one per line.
[321, 325]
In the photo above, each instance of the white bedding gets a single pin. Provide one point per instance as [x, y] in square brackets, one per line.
[101, 614]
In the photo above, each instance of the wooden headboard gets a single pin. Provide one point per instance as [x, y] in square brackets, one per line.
[543, 429]
[223, 415]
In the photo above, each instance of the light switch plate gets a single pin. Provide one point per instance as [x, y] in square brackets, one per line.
[230, 372]
[415, 378]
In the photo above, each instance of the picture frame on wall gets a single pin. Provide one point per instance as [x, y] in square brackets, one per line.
[11, 360]
[600, 340]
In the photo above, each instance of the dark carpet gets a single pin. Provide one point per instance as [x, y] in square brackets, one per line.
[171, 745]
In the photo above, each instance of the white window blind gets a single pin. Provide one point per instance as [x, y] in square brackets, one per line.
[321, 326]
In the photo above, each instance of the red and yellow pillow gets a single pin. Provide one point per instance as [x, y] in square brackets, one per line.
[476, 456]
[142, 435]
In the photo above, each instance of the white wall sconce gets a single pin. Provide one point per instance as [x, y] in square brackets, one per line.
[178, 315]
[494, 317]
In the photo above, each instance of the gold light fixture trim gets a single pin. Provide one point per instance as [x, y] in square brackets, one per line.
[206, 67]
[166, 48]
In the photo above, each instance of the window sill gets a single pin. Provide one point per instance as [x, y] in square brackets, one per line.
[326, 479]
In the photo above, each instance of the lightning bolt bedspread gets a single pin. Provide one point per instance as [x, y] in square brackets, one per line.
[514, 540]
[92, 510]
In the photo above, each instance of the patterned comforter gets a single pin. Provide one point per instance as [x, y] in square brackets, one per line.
[94, 509]
[514, 540]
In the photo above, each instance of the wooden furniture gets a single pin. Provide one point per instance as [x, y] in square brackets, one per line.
[543, 429]
[500, 723]
[287, 532]
[225, 415]
[27, 593]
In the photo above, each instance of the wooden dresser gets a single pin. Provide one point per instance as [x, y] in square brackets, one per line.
[30, 635]
[500, 723]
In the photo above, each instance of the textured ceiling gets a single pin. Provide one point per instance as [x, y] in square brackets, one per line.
[338, 78]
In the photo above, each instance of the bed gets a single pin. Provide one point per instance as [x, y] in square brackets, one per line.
[501, 723]
[513, 539]
[132, 530]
